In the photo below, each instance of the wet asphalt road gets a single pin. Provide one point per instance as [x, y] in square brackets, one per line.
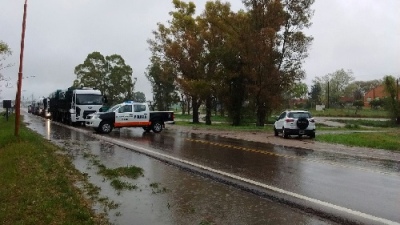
[369, 187]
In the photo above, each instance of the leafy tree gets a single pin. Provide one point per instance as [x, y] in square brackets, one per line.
[5, 51]
[377, 103]
[161, 76]
[392, 101]
[315, 93]
[233, 88]
[212, 29]
[139, 97]
[109, 74]
[358, 104]
[244, 61]
[334, 85]
[275, 49]
[181, 46]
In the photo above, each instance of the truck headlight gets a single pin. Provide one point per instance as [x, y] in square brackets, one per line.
[93, 116]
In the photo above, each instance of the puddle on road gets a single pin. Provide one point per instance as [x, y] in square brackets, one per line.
[165, 194]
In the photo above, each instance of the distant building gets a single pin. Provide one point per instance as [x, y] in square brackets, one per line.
[375, 93]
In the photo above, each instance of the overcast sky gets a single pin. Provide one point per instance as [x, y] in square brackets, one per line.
[358, 35]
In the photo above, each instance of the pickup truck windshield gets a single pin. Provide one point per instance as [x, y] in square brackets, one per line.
[89, 99]
[115, 107]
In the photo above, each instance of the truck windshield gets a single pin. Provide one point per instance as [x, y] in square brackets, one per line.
[89, 99]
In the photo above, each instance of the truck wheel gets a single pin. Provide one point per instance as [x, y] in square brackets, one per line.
[157, 127]
[105, 127]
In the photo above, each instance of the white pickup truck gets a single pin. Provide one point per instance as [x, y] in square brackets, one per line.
[129, 114]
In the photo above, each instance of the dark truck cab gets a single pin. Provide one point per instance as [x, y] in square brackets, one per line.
[130, 114]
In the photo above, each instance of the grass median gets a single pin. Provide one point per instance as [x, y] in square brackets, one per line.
[38, 185]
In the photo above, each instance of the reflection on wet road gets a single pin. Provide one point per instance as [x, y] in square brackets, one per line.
[368, 186]
[364, 185]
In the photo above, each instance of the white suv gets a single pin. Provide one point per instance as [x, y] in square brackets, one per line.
[295, 122]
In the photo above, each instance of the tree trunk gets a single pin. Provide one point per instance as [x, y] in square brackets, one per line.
[237, 90]
[183, 107]
[195, 107]
[261, 113]
[208, 110]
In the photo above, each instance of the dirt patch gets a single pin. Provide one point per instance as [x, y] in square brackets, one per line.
[305, 142]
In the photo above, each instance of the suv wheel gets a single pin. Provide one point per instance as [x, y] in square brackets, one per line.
[276, 132]
[284, 133]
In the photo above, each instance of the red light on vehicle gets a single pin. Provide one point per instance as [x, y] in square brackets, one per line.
[289, 120]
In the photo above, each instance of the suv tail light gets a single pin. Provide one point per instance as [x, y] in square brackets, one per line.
[289, 120]
[312, 120]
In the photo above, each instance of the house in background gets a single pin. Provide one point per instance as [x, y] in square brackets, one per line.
[377, 92]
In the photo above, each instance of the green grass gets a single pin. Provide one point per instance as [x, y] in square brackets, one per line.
[130, 172]
[225, 126]
[214, 118]
[37, 184]
[369, 123]
[122, 185]
[363, 113]
[388, 140]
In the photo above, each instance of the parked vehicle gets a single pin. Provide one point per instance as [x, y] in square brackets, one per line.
[44, 106]
[295, 122]
[30, 108]
[73, 105]
[129, 114]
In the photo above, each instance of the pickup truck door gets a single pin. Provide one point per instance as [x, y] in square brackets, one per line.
[141, 115]
[123, 116]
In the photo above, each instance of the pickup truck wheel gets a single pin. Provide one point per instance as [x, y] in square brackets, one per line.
[105, 127]
[157, 127]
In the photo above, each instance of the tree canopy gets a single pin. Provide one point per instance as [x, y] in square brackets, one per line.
[5, 51]
[109, 74]
[243, 60]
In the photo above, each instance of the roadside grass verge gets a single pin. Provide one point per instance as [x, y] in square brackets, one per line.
[38, 185]
[214, 118]
[388, 140]
[351, 112]
[225, 126]
[369, 123]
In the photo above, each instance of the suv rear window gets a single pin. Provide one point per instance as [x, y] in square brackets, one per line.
[299, 114]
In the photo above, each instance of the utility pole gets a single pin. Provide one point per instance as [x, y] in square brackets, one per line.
[21, 57]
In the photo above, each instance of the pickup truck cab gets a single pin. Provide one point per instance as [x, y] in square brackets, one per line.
[129, 114]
